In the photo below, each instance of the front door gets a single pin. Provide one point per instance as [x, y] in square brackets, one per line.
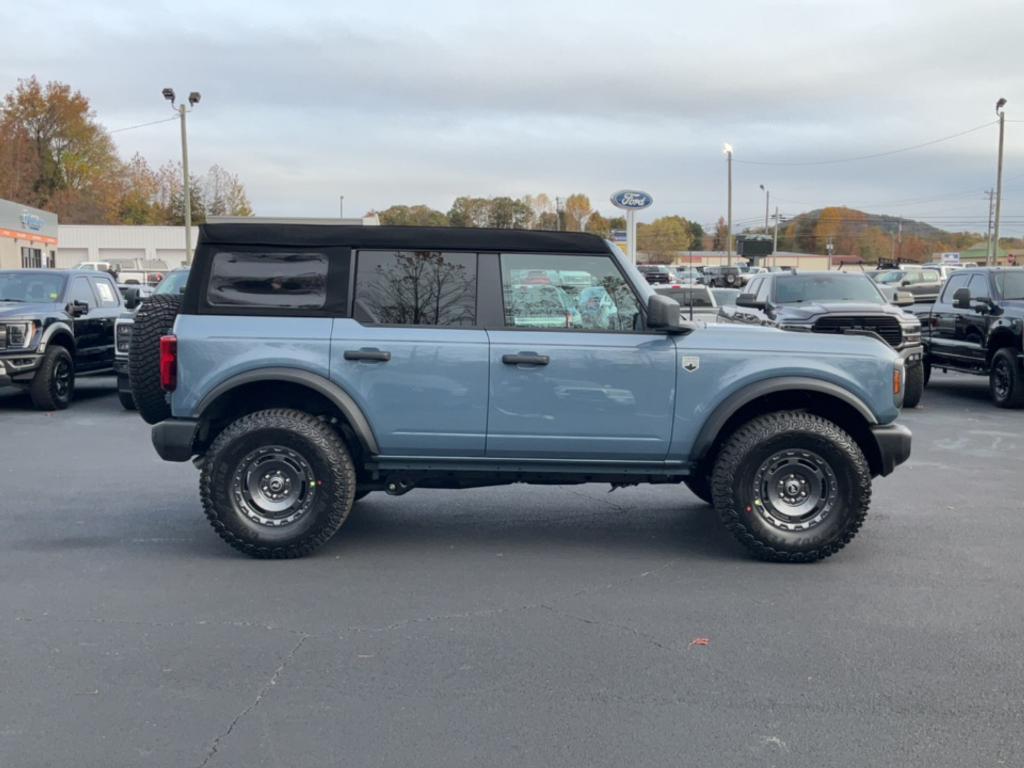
[88, 326]
[412, 355]
[573, 374]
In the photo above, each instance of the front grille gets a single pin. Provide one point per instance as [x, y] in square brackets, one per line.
[885, 326]
[3, 337]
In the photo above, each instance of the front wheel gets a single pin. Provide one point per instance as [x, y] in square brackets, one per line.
[53, 385]
[277, 483]
[914, 386]
[926, 370]
[792, 487]
[1005, 379]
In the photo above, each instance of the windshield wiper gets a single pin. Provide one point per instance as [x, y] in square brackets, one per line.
[20, 301]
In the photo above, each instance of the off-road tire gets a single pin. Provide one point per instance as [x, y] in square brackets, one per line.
[154, 319]
[45, 390]
[700, 486]
[1005, 363]
[926, 370]
[318, 443]
[737, 502]
[914, 386]
[126, 400]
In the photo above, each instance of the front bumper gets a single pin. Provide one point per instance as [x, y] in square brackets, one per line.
[912, 354]
[18, 368]
[893, 441]
[174, 438]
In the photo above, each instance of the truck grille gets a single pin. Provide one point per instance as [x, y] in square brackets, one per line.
[3, 337]
[886, 327]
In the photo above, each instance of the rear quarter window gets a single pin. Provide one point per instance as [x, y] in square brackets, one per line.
[280, 279]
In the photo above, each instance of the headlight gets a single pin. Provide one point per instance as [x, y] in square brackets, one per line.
[123, 337]
[19, 335]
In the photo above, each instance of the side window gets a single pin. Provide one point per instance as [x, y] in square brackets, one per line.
[80, 291]
[930, 276]
[553, 291]
[105, 292]
[285, 279]
[416, 288]
[954, 283]
[764, 291]
[979, 287]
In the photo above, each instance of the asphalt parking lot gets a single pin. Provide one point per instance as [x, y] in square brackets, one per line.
[524, 626]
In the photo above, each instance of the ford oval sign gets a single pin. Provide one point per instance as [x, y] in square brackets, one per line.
[32, 222]
[631, 200]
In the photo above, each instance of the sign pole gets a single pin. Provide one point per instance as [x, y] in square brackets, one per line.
[631, 234]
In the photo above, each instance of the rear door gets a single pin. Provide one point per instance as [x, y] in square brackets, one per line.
[590, 384]
[945, 331]
[108, 308]
[412, 354]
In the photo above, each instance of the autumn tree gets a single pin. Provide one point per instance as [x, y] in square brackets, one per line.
[721, 241]
[506, 213]
[598, 225]
[577, 208]
[664, 238]
[413, 216]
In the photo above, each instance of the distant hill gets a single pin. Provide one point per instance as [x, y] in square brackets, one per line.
[862, 220]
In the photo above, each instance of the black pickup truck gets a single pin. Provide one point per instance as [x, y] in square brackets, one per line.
[976, 326]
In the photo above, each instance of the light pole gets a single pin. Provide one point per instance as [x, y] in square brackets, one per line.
[775, 242]
[182, 110]
[767, 195]
[341, 206]
[727, 149]
[999, 180]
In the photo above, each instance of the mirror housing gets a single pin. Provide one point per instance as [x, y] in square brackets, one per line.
[663, 314]
[78, 308]
[131, 298]
[962, 298]
[905, 284]
[903, 299]
[749, 301]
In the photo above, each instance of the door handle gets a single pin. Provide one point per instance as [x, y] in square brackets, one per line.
[370, 355]
[525, 359]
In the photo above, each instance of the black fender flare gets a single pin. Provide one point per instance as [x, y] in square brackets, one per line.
[54, 329]
[335, 394]
[728, 407]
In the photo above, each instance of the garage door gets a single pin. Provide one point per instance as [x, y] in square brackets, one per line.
[69, 257]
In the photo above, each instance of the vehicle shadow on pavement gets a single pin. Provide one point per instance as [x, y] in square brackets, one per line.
[973, 388]
[17, 399]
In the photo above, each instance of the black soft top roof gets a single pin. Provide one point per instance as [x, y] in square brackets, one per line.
[405, 238]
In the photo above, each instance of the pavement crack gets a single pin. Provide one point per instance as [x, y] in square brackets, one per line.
[255, 702]
[598, 623]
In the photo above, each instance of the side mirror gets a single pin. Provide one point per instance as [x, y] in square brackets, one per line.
[905, 284]
[131, 298]
[962, 298]
[78, 308]
[749, 301]
[903, 299]
[663, 314]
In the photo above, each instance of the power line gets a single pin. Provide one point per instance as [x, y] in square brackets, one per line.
[871, 156]
[143, 125]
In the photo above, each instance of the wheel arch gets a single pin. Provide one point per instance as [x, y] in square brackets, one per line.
[289, 388]
[1001, 337]
[61, 335]
[790, 393]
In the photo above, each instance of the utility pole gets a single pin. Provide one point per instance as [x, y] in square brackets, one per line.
[560, 211]
[899, 241]
[767, 195]
[727, 148]
[182, 110]
[999, 180]
[341, 206]
[775, 241]
[988, 233]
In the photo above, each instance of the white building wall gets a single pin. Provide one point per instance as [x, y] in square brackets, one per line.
[98, 242]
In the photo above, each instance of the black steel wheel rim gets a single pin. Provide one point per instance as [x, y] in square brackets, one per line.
[1001, 379]
[273, 486]
[62, 378]
[794, 490]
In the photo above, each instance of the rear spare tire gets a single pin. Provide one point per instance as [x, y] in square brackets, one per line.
[154, 319]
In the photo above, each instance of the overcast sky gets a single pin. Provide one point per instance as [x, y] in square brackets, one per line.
[418, 102]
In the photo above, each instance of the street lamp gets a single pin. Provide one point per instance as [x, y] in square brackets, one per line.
[182, 110]
[999, 179]
[727, 149]
[767, 195]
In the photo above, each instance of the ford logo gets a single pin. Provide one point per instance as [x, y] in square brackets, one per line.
[31, 222]
[631, 199]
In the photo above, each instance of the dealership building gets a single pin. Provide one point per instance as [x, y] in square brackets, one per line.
[159, 247]
[28, 236]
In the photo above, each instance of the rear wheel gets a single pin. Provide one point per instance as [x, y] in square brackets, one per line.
[792, 487]
[53, 385]
[1005, 379]
[915, 385]
[154, 319]
[277, 483]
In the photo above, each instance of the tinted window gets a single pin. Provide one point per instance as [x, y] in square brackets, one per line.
[173, 283]
[553, 291]
[979, 287]
[80, 291]
[416, 288]
[30, 286]
[106, 293]
[272, 280]
[1011, 284]
[826, 287]
[954, 283]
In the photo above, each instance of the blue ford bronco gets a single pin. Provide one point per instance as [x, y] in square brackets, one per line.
[307, 365]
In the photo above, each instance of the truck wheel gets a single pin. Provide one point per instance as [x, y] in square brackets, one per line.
[792, 487]
[124, 393]
[277, 483]
[700, 486]
[1005, 379]
[53, 385]
[914, 385]
[154, 319]
[926, 370]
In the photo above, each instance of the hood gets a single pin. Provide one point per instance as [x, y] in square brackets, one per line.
[811, 309]
[761, 338]
[18, 309]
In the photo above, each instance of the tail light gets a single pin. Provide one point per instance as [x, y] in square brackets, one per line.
[168, 363]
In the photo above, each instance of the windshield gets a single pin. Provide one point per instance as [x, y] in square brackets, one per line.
[1010, 285]
[173, 283]
[826, 287]
[726, 297]
[40, 287]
